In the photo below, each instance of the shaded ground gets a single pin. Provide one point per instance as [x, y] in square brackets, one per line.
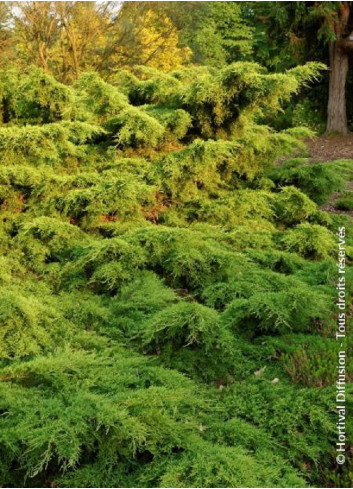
[330, 205]
[329, 148]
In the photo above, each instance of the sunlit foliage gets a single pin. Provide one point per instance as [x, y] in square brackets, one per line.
[167, 294]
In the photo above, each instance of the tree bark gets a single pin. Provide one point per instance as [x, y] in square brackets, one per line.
[336, 109]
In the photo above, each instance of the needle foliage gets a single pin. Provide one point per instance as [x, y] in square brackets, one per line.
[167, 294]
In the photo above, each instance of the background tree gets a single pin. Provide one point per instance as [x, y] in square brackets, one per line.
[145, 34]
[61, 37]
[66, 38]
[215, 31]
[36, 30]
[287, 33]
[6, 35]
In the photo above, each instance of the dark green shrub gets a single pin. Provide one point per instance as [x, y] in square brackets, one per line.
[189, 337]
[139, 301]
[289, 414]
[345, 202]
[318, 180]
[62, 410]
[105, 265]
[308, 359]
[185, 258]
[295, 309]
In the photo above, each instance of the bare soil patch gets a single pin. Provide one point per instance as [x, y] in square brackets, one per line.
[330, 148]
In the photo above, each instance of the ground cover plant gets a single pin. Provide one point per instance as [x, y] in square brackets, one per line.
[167, 293]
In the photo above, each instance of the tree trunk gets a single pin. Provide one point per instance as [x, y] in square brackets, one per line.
[336, 109]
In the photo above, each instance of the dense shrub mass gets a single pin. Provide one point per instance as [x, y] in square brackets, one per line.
[167, 293]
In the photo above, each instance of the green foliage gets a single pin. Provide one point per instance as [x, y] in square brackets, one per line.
[106, 264]
[284, 411]
[185, 258]
[49, 144]
[277, 312]
[28, 325]
[71, 418]
[308, 359]
[227, 99]
[150, 86]
[230, 467]
[218, 34]
[158, 273]
[46, 239]
[138, 301]
[292, 206]
[133, 127]
[310, 240]
[176, 122]
[318, 181]
[345, 202]
[99, 98]
[34, 97]
[115, 195]
[306, 113]
[191, 338]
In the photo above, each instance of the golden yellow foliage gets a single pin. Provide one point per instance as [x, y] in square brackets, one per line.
[158, 41]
